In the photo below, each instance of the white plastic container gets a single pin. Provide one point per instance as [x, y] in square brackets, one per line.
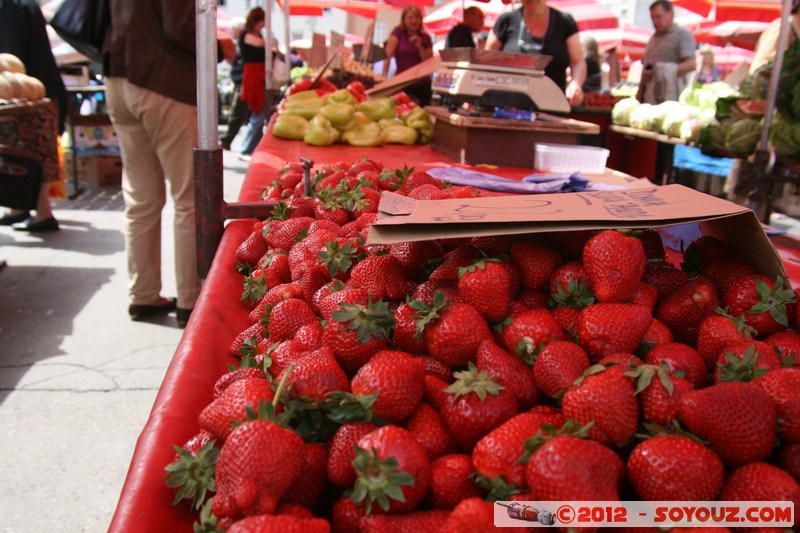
[569, 158]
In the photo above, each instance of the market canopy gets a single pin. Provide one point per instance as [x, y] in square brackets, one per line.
[364, 8]
[629, 40]
[727, 10]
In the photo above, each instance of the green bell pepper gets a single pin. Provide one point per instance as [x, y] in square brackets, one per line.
[288, 126]
[321, 132]
[368, 135]
[377, 108]
[389, 122]
[342, 96]
[305, 107]
[400, 135]
[338, 114]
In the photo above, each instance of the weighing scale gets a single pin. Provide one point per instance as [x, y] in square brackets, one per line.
[491, 78]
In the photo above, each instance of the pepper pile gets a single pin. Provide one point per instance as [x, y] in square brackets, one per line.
[322, 117]
[398, 388]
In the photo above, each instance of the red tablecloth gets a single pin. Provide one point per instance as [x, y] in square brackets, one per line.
[201, 356]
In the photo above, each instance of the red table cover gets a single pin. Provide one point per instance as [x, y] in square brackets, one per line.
[202, 354]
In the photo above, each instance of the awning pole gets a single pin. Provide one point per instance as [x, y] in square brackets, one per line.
[772, 96]
[206, 39]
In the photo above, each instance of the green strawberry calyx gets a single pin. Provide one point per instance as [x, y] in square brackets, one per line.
[744, 369]
[345, 407]
[498, 489]
[427, 314]
[378, 480]
[644, 376]
[193, 475]
[208, 521]
[577, 294]
[478, 264]
[548, 431]
[741, 324]
[338, 257]
[253, 289]
[371, 320]
[773, 301]
[473, 381]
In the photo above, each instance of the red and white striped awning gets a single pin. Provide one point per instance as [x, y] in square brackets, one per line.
[727, 10]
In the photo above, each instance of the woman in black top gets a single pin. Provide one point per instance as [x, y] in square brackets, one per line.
[537, 28]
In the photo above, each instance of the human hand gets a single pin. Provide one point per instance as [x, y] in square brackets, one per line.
[416, 40]
[574, 93]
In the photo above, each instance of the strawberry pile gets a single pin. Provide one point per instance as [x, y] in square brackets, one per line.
[405, 387]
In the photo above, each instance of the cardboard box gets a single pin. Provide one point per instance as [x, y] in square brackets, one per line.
[673, 207]
[94, 170]
[96, 140]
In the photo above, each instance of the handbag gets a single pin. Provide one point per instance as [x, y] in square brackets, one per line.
[20, 178]
[83, 25]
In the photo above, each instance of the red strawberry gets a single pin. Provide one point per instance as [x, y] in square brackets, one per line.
[657, 333]
[474, 515]
[664, 277]
[605, 396]
[310, 336]
[451, 481]
[405, 331]
[416, 257]
[315, 375]
[250, 251]
[434, 367]
[279, 524]
[678, 356]
[452, 331]
[558, 365]
[570, 285]
[392, 384]
[342, 452]
[536, 262]
[284, 234]
[737, 419]
[789, 459]
[652, 243]
[718, 331]
[570, 244]
[486, 284]
[331, 303]
[308, 488]
[534, 299]
[330, 209]
[403, 523]
[567, 318]
[726, 272]
[229, 377]
[684, 309]
[509, 371]
[604, 329]
[345, 515]
[646, 296]
[672, 467]
[659, 392]
[499, 452]
[763, 302]
[786, 344]
[274, 267]
[287, 317]
[427, 426]
[494, 245]
[783, 386]
[272, 297]
[355, 332]
[417, 178]
[284, 354]
[325, 226]
[704, 250]
[258, 464]
[615, 264]
[218, 416]
[381, 275]
[745, 361]
[473, 405]
[312, 279]
[389, 462]
[759, 481]
[527, 333]
[573, 469]
[447, 272]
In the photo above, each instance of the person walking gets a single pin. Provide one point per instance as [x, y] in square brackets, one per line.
[240, 111]
[460, 36]
[253, 49]
[153, 107]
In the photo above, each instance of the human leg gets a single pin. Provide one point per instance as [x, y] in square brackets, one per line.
[143, 191]
[240, 113]
[172, 126]
[255, 132]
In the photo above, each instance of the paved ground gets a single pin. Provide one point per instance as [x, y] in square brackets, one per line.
[77, 377]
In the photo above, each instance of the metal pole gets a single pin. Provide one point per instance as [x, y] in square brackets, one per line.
[772, 96]
[286, 40]
[206, 39]
[268, 46]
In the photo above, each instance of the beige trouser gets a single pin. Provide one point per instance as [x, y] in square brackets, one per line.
[157, 136]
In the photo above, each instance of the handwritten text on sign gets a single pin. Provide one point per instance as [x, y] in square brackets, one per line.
[624, 204]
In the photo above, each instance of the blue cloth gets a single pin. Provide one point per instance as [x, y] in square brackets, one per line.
[535, 183]
[692, 158]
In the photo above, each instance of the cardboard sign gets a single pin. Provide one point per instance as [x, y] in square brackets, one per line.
[319, 51]
[404, 219]
[337, 40]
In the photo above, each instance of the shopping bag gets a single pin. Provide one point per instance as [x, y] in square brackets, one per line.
[20, 178]
[83, 24]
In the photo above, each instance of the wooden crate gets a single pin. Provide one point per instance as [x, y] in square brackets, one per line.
[502, 142]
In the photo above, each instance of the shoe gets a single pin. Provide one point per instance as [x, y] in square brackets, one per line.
[13, 219]
[29, 224]
[138, 312]
[182, 316]
[224, 145]
[245, 157]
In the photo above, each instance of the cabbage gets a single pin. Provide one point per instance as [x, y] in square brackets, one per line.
[742, 136]
[689, 95]
[785, 136]
[672, 124]
[707, 116]
[712, 138]
[655, 119]
[690, 129]
[640, 114]
[620, 114]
